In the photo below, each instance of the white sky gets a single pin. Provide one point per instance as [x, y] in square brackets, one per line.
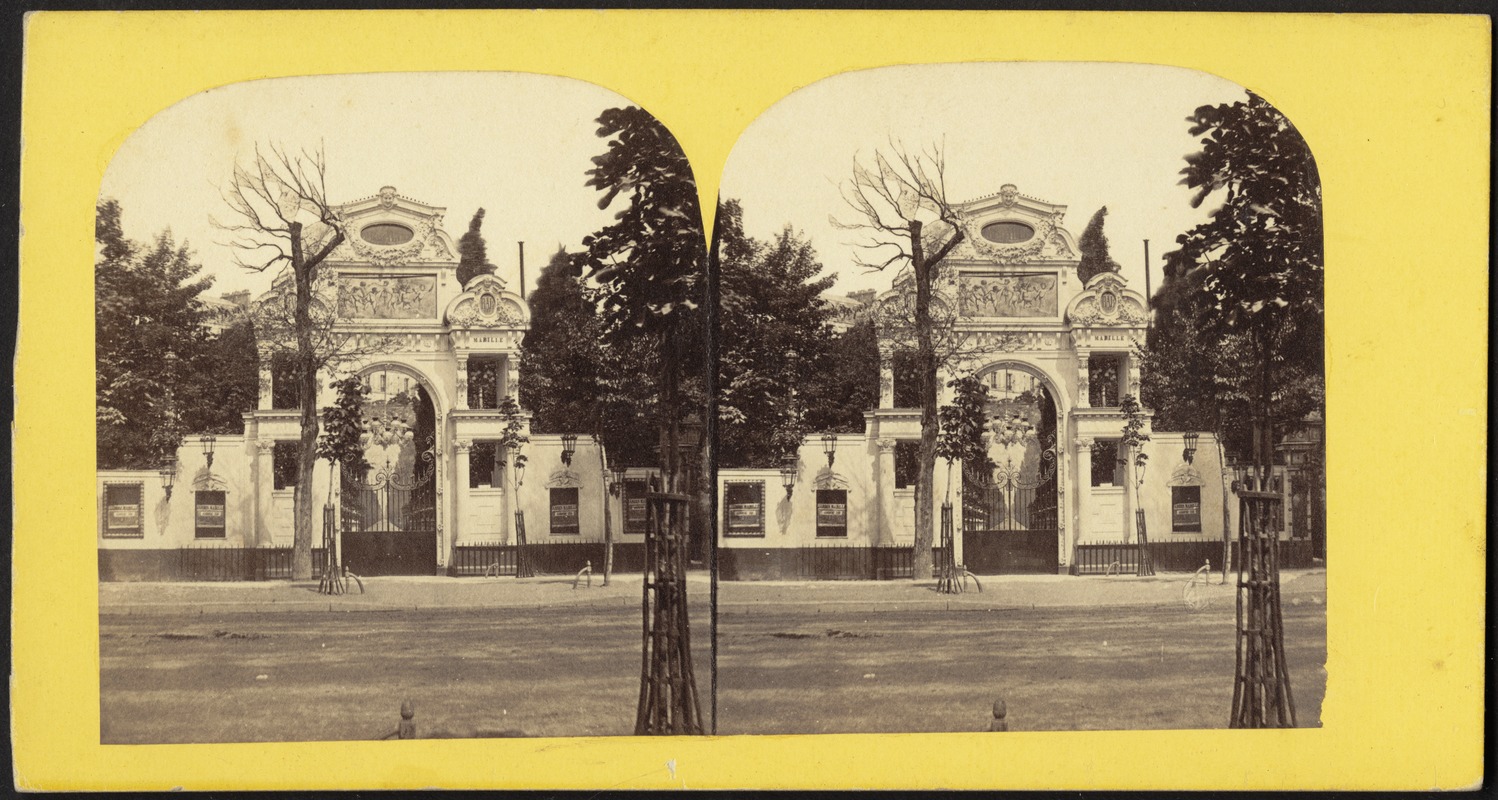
[516, 145]
[1081, 134]
[1084, 135]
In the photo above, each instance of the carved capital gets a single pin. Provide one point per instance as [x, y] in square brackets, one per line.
[886, 446]
[265, 446]
[462, 445]
[1083, 444]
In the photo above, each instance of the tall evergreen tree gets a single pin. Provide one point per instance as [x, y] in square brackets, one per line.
[473, 254]
[1094, 246]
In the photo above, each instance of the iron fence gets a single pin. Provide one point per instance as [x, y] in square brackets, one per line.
[209, 563]
[856, 562]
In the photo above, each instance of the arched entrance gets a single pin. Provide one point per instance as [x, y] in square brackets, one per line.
[390, 509]
[1010, 519]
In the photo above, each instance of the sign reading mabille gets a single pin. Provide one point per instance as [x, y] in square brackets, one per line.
[1027, 295]
[388, 297]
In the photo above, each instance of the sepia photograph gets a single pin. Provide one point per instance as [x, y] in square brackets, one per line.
[368, 467]
[1038, 348]
[656, 400]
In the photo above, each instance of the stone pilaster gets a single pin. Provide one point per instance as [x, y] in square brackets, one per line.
[264, 483]
[886, 489]
[461, 449]
[1083, 448]
[1084, 392]
[886, 379]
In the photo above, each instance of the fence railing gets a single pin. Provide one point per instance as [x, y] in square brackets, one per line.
[237, 563]
[469, 560]
[1098, 558]
[856, 562]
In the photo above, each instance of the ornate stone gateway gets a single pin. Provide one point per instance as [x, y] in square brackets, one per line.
[390, 511]
[1009, 518]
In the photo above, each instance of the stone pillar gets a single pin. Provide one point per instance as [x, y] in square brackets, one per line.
[264, 483]
[1083, 448]
[886, 484]
[462, 396]
[1131, 367]
[1084, 391]
[460, 488]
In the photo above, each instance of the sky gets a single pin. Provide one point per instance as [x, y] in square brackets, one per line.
[513, 144]
[1084, 135]
[1080, 134]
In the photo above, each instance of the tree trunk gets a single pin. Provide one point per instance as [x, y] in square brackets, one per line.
[608, 523]
[921, 566]
[306, 364]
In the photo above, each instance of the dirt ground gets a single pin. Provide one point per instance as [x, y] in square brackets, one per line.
[315, 675]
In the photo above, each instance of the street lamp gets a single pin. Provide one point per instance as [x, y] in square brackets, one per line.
[829, 446]
[788, 475]
[1189, 453]
[168, 474]
[617, 471]
[569, 446]
[207, 442]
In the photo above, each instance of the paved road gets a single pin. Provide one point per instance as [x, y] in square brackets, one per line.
[416, 593]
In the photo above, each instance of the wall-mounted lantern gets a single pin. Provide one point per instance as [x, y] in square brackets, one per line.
[207, 442]
[829, 446]
[519, 473]
[1240, 472]
[788, 475]
[1188, 454]
[569, 446]
[168, 474]
[617, 472]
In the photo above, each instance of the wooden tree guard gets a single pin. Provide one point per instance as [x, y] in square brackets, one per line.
[523, 568]
[1261, 688]
[948, 581]
[668, 688]
[1146, 565]
[332, 581]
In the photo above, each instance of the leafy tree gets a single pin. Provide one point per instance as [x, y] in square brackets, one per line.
[1094, 246]
[893, 201]
[964, 423]
[649, 268]
[148, 345]
[1254, 268]
[341, 445]
[224, 381]
[770, 299]
[473, 254]
[648, 263]
[844, 380]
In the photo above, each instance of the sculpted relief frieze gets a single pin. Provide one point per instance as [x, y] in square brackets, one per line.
[1032, 295]
[388, 297]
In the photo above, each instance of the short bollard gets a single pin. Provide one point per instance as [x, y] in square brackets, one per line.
[1000, 714]
[407, 729]
[586, 570]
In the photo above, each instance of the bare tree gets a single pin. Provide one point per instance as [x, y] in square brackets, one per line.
[906, 222]
[285, 222]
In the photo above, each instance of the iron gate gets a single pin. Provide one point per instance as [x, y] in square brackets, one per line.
[1009, 519]
[390, 517]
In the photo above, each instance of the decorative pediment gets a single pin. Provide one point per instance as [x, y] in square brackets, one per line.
[1186, 475]
[389, 230]
[1105, 302]
[827, 479]
[485, 303]
[1010, 228]
[206, 480]
[563, 478]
